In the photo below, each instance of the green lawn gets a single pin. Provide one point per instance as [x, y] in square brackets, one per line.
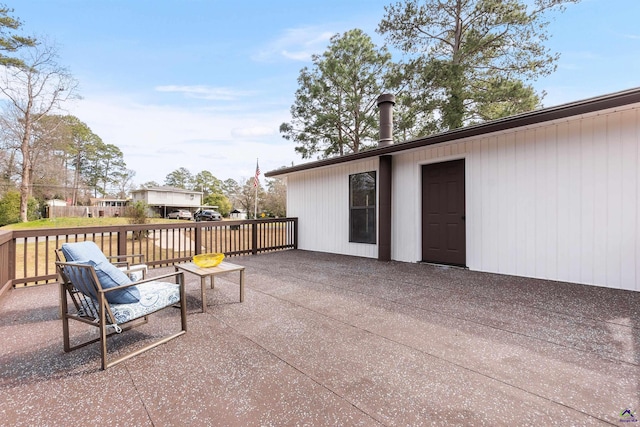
[78, 222]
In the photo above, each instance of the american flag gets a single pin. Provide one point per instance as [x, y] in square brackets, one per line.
[256, 181]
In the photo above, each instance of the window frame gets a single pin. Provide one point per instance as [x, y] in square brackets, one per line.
[369, 209]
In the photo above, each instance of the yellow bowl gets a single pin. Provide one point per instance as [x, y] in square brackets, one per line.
[208, 260]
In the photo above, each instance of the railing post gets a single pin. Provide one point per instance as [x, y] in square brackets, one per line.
[7, 261]
[122, 241]
[198, 239]
[295, 233]
[254, 237]
[12, 258]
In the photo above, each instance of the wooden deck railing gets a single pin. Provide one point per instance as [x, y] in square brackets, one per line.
[27, 256]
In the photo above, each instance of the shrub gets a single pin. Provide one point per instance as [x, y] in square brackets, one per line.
[137, 214]
[10, 208]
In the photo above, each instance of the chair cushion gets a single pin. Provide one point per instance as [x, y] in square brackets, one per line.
[153, 296]
[136, 272]
[111, 277]
[108, 274]
[83, 251]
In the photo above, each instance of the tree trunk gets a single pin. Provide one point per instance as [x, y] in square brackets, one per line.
[26, 168]
[453, 115]
[76, 179]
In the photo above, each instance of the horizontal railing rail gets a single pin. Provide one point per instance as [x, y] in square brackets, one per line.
[27, 257]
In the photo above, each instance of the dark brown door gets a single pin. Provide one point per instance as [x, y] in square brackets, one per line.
[443, 217]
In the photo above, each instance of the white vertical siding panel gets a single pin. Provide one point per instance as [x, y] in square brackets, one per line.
[313, 239]
[563, 173]
[571, 209]
[340, 205]
[569, 217]
[630, 219]
[587, 201]
[474, 206]
[317, 196]
[600, 199]
[406, 226]
[401, 205]
[438, 152]
[541, 202]
[509, 192]
[550, 172]
[297, 199]
[332, 201]
[527, 205]
[490, 237]
[614, 203]
[418, 158]
[478, 198]
[519, 199]
[499, 221]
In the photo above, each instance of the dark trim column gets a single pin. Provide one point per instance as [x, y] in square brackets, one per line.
[384, 208]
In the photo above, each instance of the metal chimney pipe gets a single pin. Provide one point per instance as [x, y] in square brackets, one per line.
[385, 104]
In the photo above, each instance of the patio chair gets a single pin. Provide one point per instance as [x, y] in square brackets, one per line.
[133, 265]
[104, 296]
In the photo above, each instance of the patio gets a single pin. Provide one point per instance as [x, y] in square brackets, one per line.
[326, 339]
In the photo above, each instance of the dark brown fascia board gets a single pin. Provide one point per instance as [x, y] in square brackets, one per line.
[577, 108]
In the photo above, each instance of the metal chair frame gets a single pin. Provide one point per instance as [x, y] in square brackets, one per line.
[98, 313]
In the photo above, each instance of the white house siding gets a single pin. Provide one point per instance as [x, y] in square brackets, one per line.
[320, 198]
[170, 198]
[181, 199]
[556, 201]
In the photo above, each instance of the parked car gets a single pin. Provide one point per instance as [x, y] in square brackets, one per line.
[207, 215]
[180, 214]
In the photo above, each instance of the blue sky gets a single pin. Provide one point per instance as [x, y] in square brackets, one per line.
[205, 84]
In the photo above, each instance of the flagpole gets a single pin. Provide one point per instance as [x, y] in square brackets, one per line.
[255, 209]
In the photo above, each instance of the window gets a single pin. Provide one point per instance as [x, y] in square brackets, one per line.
[362, 207]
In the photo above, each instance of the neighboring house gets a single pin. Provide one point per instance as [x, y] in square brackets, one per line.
[99, 208]
[551, 194]
[107, 202]
[238, 214]
[56, 202]
[162, 200]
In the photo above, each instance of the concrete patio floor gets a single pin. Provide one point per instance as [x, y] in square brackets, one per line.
[330, 340]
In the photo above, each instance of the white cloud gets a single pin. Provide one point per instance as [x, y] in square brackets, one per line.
[297, 56]
[254, 131]
[298, 44]
[157, 140]
[205, 92]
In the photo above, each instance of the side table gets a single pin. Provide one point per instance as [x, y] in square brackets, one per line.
[203, 273]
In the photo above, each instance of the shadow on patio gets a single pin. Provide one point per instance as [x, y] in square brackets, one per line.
[333, 340]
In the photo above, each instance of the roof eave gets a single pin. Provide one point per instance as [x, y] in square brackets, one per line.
[576, 108]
